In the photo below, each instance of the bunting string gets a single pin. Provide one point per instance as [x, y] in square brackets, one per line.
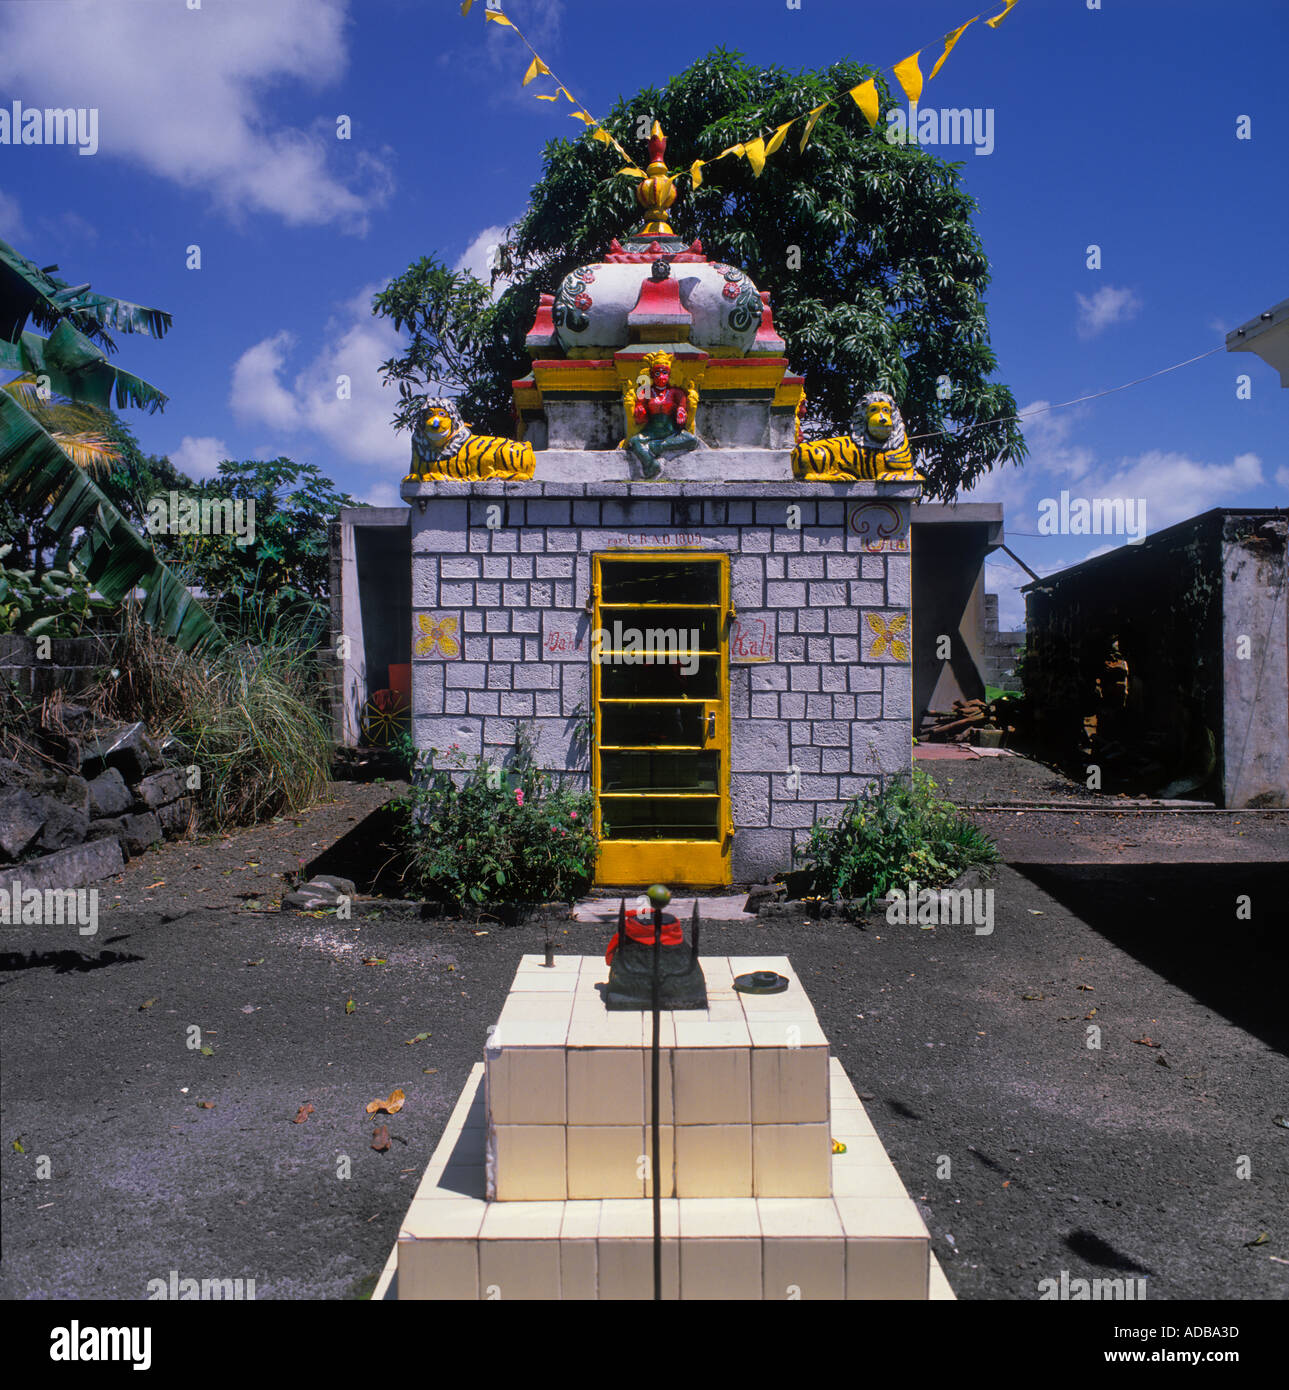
[538, 68]
[907, 72]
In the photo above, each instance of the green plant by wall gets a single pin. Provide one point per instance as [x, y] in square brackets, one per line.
[475, 834]
[60, 603]
[883, 840]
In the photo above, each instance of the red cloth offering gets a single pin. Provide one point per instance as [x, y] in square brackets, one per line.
[642, 931]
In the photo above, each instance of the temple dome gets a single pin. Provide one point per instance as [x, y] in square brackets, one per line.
[719, 309]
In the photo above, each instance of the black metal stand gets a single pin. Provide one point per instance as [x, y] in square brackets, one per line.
[653, 1065]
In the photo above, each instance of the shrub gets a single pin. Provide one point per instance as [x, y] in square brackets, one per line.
[58, 603]
[882, 840]
[473, 834]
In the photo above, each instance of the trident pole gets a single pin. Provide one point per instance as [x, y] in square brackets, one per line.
[659, 897]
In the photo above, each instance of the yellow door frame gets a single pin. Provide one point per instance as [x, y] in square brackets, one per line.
[672, 861]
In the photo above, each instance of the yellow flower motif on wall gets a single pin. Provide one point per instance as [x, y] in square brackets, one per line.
[438, 636]
[888, 635]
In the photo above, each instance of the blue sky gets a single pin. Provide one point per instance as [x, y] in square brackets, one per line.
[1114, 126]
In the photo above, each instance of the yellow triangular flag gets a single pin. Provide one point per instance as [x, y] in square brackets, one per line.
[865, 97]
[635, 173]
[949, 41]
[602, 135]
[909, 76]
[696, 172]
[542, 97]
[582, 116]
[810, 123]
[998, 18]
[777, 138]
[497, 18]
[755, 152]
[466, 6]
[535, 67]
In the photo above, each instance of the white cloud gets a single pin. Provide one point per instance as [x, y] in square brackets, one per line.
[1175, 487]
[257, 394]
[1051, 452]
[357, 424]
[199, 456]
[477, 258]
[382, 495]
[186, 93]
[1282, 477]
[1006, 579]
[12, 227]
[1107, 306]
[540, 20]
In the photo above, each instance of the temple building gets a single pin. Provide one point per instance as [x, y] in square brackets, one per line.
[699, 616]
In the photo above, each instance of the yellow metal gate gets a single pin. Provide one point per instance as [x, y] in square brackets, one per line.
[660, 687]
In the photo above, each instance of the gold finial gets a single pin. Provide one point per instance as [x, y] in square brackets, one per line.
[657, 193]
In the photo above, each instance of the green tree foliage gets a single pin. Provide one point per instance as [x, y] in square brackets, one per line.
[876, 272]
[283, 577]
[51, 444]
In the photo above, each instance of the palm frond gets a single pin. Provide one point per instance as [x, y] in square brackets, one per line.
[35, 471]
[27, 291]
[93, 453]
[77, 369]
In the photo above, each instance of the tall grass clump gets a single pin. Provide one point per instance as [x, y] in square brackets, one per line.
[885, 839]
[253, 719]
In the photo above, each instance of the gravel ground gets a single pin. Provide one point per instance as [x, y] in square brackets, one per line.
[1109, 1161]
[1006, 780]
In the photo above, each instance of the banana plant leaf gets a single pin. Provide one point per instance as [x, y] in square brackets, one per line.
[78, 370]
[34, 471]
[27, 291]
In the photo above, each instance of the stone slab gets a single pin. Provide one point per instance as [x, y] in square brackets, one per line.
[723, 909]
[716, 488]
[73, 868]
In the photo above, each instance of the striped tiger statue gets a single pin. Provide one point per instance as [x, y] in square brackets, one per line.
[444, 450]
[876, 448]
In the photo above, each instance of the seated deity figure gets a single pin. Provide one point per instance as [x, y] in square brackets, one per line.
[662, 413]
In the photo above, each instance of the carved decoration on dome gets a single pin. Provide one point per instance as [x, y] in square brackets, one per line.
[572, 300]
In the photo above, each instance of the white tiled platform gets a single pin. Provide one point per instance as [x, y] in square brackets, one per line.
[867, 1241]
[743, 1090]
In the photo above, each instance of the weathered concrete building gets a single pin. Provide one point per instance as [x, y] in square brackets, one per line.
[1178, 648]
[950, 545]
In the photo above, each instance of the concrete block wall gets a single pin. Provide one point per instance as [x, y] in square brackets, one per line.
[820, 712]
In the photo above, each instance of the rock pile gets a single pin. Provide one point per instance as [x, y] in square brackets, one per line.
[112, 794]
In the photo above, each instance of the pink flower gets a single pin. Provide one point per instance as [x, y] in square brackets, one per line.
[573, 814]
[519, 796]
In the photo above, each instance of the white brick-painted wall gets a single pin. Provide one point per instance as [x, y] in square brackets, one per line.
[827, 717]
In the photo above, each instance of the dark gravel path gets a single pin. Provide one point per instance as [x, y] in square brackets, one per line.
[1099, 1162]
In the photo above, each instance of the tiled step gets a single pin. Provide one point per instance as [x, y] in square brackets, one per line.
[743, 1093]
[866, 1242]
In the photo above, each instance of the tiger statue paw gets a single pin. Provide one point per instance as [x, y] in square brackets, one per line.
[876, 448]
[444, 450]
